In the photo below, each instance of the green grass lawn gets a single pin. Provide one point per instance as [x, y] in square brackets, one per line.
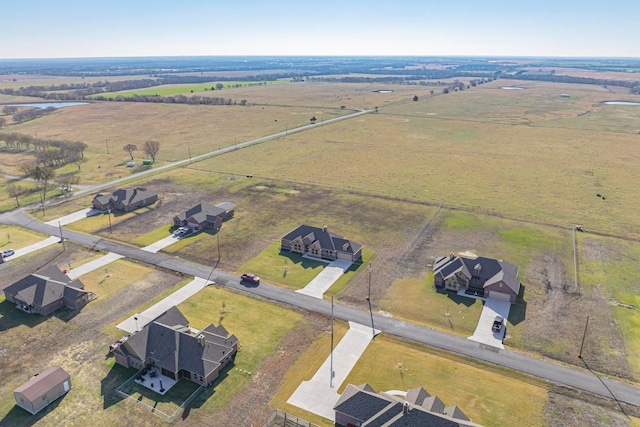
[108, 280]
[15, 237]
[188, 89]
[488, 395]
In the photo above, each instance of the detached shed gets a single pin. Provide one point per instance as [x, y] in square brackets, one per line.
[41, 390]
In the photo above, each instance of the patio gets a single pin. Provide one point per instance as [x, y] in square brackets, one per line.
[154, 380]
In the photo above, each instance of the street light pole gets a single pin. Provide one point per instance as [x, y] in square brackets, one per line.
[61, 238]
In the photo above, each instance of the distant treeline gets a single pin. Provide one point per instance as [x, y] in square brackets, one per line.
[49, 152]
[31, 114]
[79, 91]
[173, 99]
[634, 86]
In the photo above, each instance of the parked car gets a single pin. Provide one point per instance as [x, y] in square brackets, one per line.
[181, 231]
[8, 253]
[498, 323]
[250, 277]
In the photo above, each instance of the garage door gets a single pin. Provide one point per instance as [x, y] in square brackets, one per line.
[499, 295]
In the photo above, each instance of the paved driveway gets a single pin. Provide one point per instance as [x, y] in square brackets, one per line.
[93, 265]
[327, 277]
[484, 334]
[72, 217]
[319, 395]
[32, 248]
[161, 244]
[138, 321]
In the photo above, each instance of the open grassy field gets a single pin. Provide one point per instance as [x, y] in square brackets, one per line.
[187, 89]
[15, 237]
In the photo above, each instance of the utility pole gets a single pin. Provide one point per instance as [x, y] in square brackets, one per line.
[218, 239]
[106, 142]
[109, 213]
[583, 337]
[373, 329]
[331, 377]
[61, 238]
[42, 203]
[286, 128]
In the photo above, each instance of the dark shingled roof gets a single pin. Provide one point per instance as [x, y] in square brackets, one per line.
[206, 212]
[362, 405]
[45, 287]
[42, 383]
[418, 418]
[488, 270]
[168, 340]
[126, 196]
[326, 239]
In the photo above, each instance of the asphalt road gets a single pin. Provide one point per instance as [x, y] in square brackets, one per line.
[579, 379]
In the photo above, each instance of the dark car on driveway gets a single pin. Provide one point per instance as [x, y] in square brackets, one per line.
[250, 277]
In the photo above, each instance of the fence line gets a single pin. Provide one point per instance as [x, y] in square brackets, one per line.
[283, 419]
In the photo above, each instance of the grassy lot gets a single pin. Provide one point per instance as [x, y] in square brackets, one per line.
[304, 368]
[259, 326]
[108, 280]
[400, 365]
[415, 300]
[187, 89]
[15, 237]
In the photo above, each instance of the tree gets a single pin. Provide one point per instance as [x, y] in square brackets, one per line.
[219, 86]
[313, 119]
[67, 182]
[44, 176]
[151, 148]
[3, 122]
[415, 98]
[130, 148]
[14, 191]
[9, 110]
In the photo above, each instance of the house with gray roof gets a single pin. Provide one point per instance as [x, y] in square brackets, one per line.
[205, 216]
[124, 199]
[362, 406]
[168, 343]
[320, 243]
[486, 277]
[46, 291]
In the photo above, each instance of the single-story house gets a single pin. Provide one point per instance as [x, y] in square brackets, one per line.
[168, 343]
[125, 199]
[42, 389]
[204, 215]
[482, 276]
[361, 405]
[46, 291]
[320, 243]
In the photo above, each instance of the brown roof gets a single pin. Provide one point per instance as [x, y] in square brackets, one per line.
[42, 383]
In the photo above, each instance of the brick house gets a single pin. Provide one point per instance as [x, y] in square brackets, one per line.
[205, 216]
[482, 276]
[124, 199]
[320, 243]
[168, 343]
[46, 291]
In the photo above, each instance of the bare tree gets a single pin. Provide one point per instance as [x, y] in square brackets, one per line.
[3, 122]
[9, 110]
[80, 146]
[130, 148]
[78, 160]
[151, 148]
[15, 191]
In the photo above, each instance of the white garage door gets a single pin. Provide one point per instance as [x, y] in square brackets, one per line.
[499, 295]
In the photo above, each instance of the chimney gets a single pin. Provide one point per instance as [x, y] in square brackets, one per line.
[451, 256]
[324, 228]
[201, 340]
[405, 408]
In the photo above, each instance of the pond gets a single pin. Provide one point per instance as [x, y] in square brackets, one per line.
[512, 88]
[383, 91]
[46, 104]
[622, 103]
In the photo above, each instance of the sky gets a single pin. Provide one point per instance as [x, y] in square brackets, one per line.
[120, 28]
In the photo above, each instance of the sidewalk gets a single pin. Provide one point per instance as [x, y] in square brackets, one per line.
[72, 217]
[32, 248]
[161, 244]
[319, 395]
[138, 321]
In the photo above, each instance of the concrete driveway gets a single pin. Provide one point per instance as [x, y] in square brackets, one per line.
[484, 334]
[93, 265]
[319, 395]
[32, 248]
[327, 277]
[161, 244]
[138, 321]
[72, 217]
